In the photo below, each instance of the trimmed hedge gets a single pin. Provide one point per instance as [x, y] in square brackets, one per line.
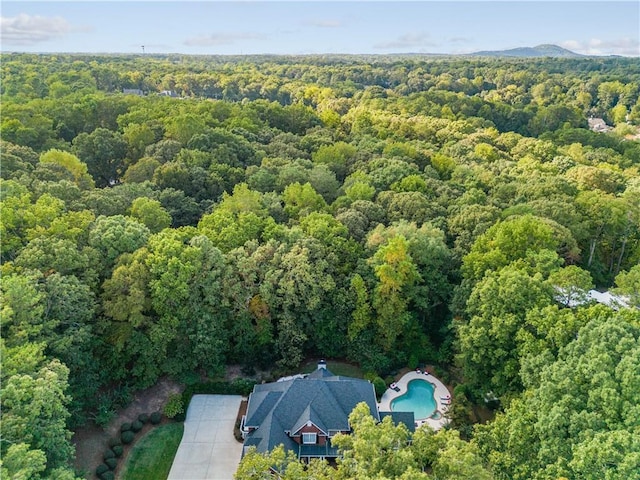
[239, 386]
[155, 418]
[127, 437]
[143, 417]
[125, 427]
[112, 463]
[114, 441]
[117, 450]
[101, 469]
[136, 426]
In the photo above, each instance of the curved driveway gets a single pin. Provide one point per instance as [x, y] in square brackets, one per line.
[208, 449]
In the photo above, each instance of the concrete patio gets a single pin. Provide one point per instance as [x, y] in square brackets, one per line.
[440, 391]
[208, 449]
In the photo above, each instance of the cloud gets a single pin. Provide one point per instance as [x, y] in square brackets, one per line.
[31, 29]
[226, 38]
[626, 46]
[324, 23]
[458, 40]
[408, 40]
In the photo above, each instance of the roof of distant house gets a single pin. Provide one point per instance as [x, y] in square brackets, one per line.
[598, 124]
[605, 298]
[132, 91]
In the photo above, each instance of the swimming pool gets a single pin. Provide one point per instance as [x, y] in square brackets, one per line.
[418, 399]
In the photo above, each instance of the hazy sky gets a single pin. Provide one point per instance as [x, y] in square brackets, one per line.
[296, 27]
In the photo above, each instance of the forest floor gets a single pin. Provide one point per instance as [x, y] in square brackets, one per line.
[91, 441]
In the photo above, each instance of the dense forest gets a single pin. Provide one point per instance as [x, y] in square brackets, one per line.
[172, 215]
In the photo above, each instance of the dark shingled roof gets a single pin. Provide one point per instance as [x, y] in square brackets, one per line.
[265, 402]
[322, 398]
[309, 415]
[401, 417]
[320, 373]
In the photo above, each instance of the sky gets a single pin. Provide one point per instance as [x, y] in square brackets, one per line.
[301, 27]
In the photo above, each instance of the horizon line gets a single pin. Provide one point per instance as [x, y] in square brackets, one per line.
[375, 54]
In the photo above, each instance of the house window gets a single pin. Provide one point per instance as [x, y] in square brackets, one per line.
[309, 438]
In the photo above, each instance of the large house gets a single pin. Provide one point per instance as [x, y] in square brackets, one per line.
[303, 413]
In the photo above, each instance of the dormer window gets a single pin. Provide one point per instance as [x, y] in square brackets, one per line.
[309, 438]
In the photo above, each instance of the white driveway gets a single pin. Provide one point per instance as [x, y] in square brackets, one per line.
[208, 449]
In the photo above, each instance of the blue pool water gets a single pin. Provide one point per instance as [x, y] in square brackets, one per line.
[418, 399]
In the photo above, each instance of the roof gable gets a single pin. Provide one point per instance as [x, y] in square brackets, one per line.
[309, 416]
[324, 399]
[265, 401]
[320, 373]
[270, 434]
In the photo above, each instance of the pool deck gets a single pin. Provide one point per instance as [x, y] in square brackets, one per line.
[440, 392]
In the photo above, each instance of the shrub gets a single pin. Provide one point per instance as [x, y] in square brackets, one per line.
[101, 469]
[107, 476]
[239, 386]
[104, 414]
[461, 390]
[114, 441]
[117, 450]
[379, 386]
[180, 417]
[190, 378]
[108, 454]
[127, 437]
[377, 362]
[121, 396]
[136, 426]
[413, 361]
[143, 417]
[174, 405]
[242, 386]
[371, 376]
[442, 374]
[112, 463]
[125, 427]
[155, 418]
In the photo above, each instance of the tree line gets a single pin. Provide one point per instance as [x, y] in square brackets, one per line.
[388, 211]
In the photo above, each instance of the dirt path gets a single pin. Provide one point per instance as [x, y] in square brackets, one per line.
[92, 441]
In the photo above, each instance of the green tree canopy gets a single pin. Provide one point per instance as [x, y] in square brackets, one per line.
[150, 213]
[103, 151]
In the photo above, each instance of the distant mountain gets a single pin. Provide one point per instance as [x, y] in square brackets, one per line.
[539, 51]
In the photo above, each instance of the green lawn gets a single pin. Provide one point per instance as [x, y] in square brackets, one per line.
[152, 455]
[337, 368]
